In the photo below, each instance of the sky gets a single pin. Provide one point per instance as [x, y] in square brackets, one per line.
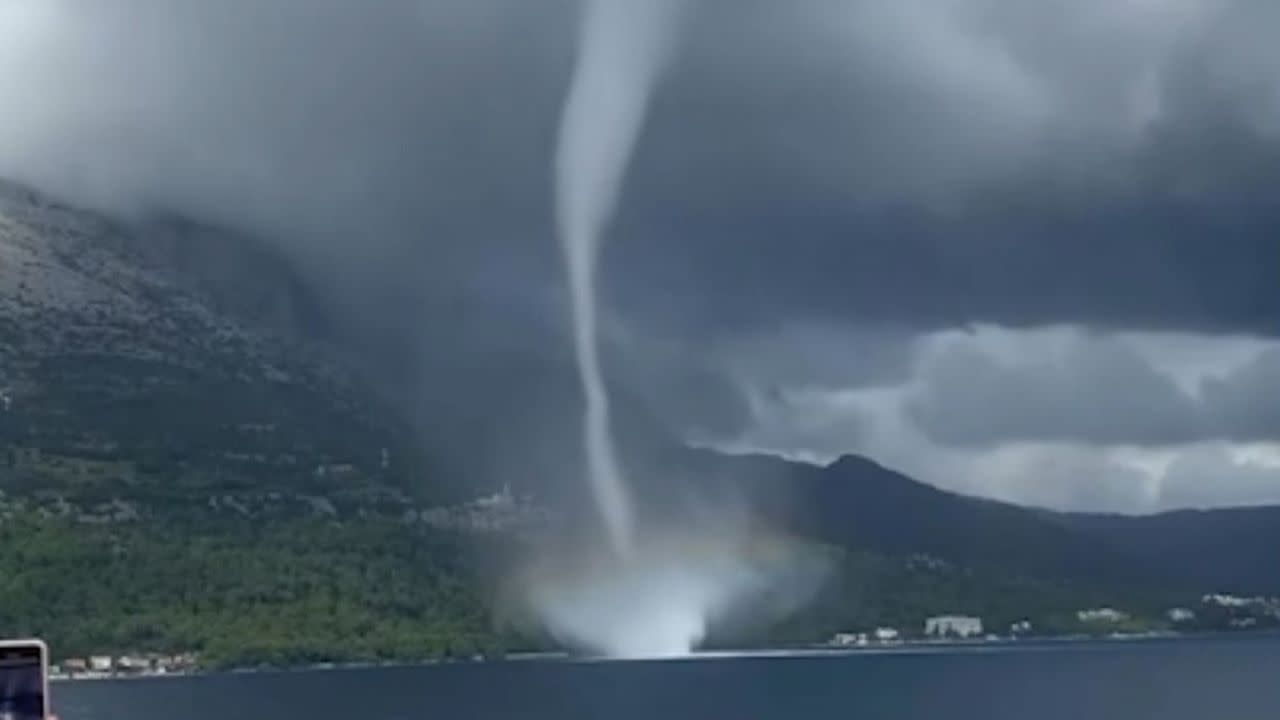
[1025, 250]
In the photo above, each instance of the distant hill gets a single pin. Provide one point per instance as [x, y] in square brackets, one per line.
[856, 503]
[1228, 549]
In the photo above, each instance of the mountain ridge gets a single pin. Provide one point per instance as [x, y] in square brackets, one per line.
[857, 502]
[170, 303]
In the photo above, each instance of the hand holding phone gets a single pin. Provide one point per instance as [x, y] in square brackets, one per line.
[24, 680]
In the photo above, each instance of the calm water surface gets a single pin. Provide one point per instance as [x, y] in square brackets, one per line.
[1169, 680]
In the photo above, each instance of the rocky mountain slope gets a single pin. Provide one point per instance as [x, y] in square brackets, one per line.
[129, 358]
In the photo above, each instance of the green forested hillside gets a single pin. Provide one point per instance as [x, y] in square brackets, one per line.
[242, 592]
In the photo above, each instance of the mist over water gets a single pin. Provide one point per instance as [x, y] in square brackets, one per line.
[622, 48]
[677, 587]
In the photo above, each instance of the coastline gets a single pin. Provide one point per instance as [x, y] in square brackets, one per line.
[314, 667]
[903, 647]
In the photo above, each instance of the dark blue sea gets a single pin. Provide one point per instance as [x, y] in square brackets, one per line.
[1236, 678]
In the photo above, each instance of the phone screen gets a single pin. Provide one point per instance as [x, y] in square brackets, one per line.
[21, 683]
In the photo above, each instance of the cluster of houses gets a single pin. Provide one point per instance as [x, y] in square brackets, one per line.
[1246, 612]
[1267, 605]
[1102, 615]
[1243, 613]
[880, 636]
[501, 512]
[100, 666]
[940, 627]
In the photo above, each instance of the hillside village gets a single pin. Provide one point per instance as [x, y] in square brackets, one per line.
[1214, 612]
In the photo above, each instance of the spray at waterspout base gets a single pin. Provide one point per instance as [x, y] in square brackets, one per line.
[669, 594]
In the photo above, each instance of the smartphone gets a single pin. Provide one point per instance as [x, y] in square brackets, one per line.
[24, 680]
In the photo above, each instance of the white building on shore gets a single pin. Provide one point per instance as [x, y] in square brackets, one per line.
[849, 639]
[1101, 615]
[1231, 601]
[959, 626]
[887, 635]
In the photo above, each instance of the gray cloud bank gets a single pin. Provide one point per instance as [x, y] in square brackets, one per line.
[1090, 390]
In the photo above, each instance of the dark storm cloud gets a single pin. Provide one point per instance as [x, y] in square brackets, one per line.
[346, 129]
[914, 164]
[970, 166]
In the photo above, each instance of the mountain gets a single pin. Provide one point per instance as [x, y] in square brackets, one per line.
[857, 503]
[163, 379]
[1226, 549]
[158, 353]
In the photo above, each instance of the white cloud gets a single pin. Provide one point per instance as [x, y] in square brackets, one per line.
[1217, 475]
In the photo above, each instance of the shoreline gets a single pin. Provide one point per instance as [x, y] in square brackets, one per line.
[316, 667]
[904, 647]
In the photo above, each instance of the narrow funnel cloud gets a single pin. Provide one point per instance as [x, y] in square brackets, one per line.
[623, 45]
